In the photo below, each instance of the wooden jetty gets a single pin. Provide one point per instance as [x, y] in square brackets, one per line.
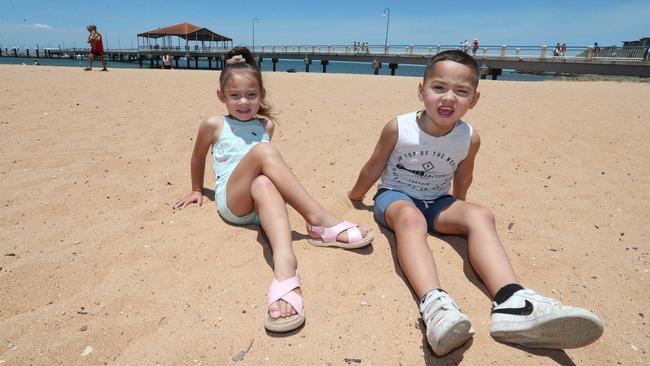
[628, 61]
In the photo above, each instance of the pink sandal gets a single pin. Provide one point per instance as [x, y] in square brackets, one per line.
[328, 236]
[284, 290]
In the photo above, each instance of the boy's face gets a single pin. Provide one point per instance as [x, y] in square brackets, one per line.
[448, 93]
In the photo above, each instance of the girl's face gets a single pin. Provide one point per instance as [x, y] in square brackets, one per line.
[448, 93]
[242, 95]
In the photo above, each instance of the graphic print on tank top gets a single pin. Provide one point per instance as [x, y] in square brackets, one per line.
[421, 165]
[428, 170]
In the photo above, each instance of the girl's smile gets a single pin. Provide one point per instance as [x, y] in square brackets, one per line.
[241, 95]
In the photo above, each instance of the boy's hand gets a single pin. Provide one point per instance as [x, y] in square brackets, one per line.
[357, 202]
[194, 197]
[353, 198]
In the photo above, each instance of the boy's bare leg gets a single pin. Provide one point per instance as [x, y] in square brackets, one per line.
[525, 317]
[486, 253]
[447, 328]
[272, 211]
[264, 159]
[413, 253]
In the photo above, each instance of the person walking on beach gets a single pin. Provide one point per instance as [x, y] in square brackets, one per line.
[563, 49]
[254, 184]
[420, 157]
[96, 48]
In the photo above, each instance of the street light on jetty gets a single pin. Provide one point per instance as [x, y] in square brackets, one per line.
[254, 21]
[387, 15]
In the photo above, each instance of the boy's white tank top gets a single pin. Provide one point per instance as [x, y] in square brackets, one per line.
[421, 165]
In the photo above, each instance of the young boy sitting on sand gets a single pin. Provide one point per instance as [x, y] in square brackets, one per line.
[421, 155]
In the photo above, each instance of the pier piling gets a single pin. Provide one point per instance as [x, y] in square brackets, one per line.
[324, 63]
[392, 68]
[376, 65]
[307, 63]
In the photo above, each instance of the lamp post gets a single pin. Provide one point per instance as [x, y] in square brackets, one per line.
[387, 15]
[254, 21]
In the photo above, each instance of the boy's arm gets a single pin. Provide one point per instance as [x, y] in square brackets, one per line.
[464, 172]
[375, 166]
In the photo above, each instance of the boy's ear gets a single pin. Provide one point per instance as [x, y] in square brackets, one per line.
[475, 98]
[221, 96]
[420, 91]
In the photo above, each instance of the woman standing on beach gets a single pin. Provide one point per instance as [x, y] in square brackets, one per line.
[254, 184]
[96, 48]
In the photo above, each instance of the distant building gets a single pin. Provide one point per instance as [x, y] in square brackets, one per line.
[643, 42]
[183, 31]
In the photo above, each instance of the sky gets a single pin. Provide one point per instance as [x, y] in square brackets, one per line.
[54, 23]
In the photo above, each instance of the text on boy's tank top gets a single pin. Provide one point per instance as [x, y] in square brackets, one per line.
[421, 165]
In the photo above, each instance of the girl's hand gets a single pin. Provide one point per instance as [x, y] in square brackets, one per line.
[194, 197]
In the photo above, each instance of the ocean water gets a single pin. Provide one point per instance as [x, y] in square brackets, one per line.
[341, 67]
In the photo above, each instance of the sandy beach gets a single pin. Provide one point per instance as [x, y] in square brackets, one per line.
[97, 269]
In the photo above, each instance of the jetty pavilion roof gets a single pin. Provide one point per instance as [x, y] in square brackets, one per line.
[186, 31]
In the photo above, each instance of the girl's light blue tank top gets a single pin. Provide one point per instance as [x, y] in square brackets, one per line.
[235, 141]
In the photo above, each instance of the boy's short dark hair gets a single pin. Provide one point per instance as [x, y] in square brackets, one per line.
[455, 56]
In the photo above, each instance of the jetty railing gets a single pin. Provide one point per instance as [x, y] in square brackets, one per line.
[609, 53]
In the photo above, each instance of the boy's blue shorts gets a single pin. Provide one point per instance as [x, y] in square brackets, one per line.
[429, 208]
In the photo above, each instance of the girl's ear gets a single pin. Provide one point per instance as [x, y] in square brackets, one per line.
[220, 95]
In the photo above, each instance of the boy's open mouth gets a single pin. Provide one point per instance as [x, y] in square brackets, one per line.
[445, 111]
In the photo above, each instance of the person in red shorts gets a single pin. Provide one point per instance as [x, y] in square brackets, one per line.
[96, 48]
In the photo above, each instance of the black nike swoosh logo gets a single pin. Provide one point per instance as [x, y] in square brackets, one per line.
[527, 309]
[416, 172]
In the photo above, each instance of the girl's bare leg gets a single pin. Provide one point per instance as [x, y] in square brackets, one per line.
[486, 253]
[271, 209]
[264, 159]
[413, 253]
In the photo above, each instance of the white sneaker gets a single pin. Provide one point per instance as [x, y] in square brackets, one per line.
[532, 320]
[447, 327]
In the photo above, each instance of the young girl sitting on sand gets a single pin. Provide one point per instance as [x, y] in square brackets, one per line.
[254, 183]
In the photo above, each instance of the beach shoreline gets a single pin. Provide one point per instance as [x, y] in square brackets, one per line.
[93, 255]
